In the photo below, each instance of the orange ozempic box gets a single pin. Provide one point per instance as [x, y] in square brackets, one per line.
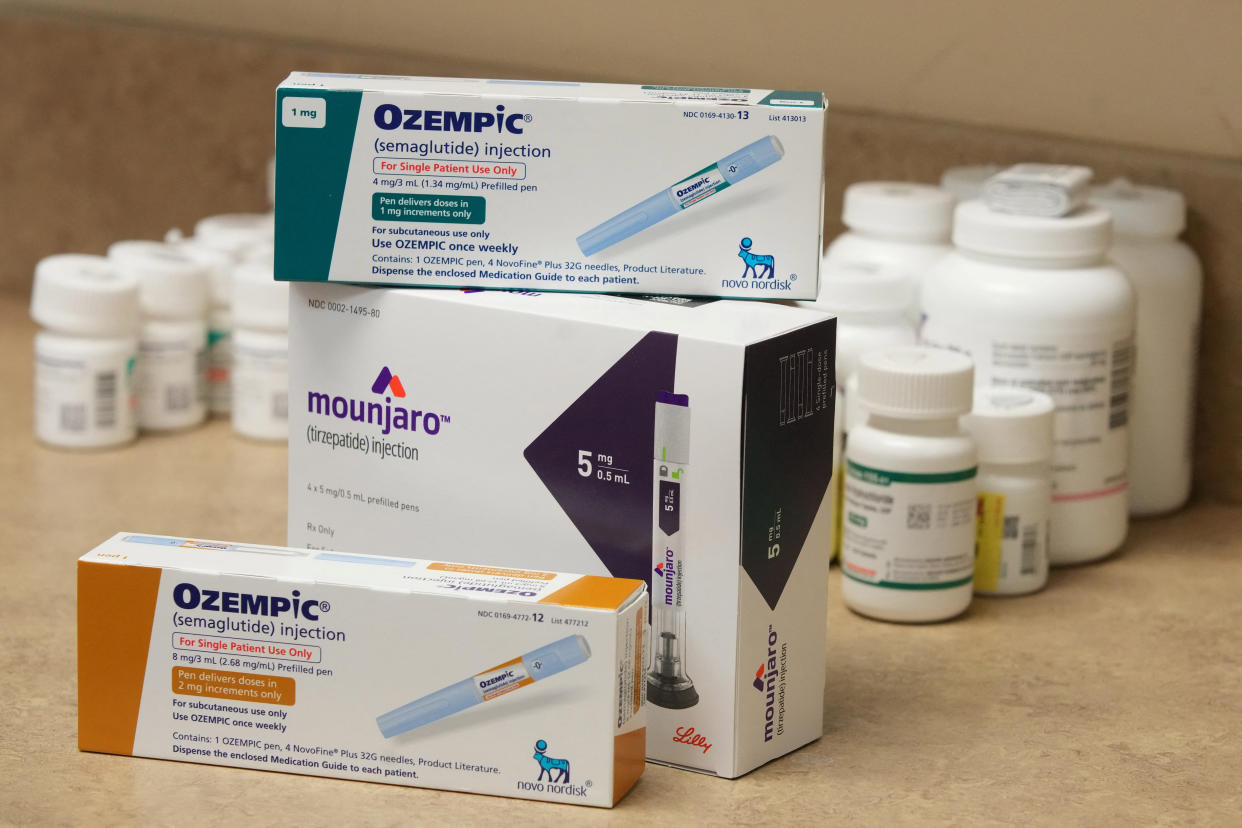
[436, 675]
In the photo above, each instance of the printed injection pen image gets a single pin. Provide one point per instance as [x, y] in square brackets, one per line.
[500, 680]
[667, 683]
[739, 165]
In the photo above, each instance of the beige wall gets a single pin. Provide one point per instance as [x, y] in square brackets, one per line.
[1154, 73]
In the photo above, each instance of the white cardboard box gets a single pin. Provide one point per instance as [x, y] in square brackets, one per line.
[518, 429]
[447, 182]
[500, 681]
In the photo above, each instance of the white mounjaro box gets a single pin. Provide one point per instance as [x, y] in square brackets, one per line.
[550, 430]
[363, 667]
[446, 182]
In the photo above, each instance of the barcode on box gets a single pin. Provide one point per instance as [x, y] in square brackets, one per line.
[797, 397]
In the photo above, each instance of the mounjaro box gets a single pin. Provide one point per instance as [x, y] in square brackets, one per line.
[686, 443]
[444, 182]
[501, 681]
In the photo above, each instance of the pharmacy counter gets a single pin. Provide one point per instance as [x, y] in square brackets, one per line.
[1113, 696]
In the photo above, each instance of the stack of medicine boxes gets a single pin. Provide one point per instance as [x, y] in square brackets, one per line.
[651, 430]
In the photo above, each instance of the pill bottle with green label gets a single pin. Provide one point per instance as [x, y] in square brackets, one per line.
[1012, 430]
[908, 539]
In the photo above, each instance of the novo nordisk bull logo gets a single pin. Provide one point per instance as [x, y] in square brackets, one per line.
[757, 264]
[549, 766]
[384, 414]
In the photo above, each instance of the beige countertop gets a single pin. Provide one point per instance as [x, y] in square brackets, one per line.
[1115, 696]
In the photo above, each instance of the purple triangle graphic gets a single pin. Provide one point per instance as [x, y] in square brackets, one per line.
[381, 382]
[614, 417]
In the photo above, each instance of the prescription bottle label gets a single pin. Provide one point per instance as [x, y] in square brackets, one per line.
[84, 399]
[907, 530]
[260, 390]
[172, 383]
[1011, 541]
[219, 365]
[1087, 374]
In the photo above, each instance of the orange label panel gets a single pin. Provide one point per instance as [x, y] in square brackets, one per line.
[507, 688]
[529, 574]
[224, 684]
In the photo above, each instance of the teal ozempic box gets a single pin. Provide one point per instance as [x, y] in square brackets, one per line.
[552, 186]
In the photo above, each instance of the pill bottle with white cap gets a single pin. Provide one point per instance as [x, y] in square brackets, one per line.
[172, 345]
[1036, 304]
[1012, 430]
[235, 232]
[870, 300]
[908, 544]
[85, 353]
[260, 352]
[899, 223]
[1168, 281]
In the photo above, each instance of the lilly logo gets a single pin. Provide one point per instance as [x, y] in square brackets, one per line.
[387, 382]
[759, 677]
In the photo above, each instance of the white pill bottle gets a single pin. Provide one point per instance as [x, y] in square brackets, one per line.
[86, 352]
[1012, 430]
[219, 266]
[172, 344]
[1168, 281]
[260, 352]
[1036, 304]
[908, 541]
[902, 224]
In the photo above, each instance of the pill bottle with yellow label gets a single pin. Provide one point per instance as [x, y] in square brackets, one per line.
[1012, 429]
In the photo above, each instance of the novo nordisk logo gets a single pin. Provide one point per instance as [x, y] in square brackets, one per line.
[387, 416]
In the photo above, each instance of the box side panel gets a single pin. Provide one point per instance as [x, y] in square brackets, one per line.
[630, 735]
[116, 607]
[790, 397]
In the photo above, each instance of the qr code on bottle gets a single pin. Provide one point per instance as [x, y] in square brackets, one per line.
[918, 516]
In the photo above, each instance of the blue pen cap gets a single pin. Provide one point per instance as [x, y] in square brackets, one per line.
[551, 659]
[623, 225]
[751, 158]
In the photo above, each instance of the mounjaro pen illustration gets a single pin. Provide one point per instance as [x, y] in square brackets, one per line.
[515, 674]
[731, 169]
[667, 682]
